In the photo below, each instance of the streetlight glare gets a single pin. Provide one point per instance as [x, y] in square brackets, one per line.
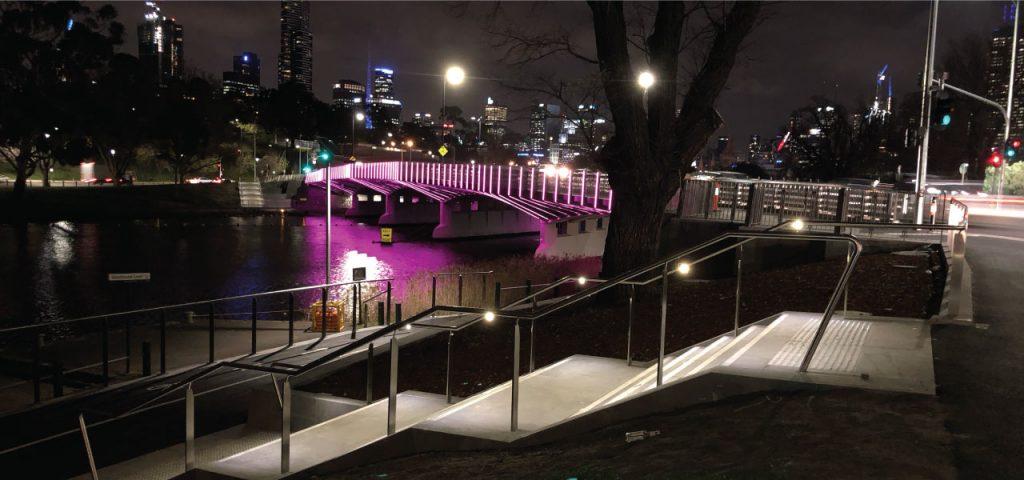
[455, 75]
[360, 116]
[645, 79]
[683, 268]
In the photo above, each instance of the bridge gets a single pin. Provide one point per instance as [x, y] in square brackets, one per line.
[569, 208]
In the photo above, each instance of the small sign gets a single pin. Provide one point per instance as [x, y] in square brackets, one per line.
[358, 274]
[352, 158]
[963, 168]
[385, 235]
[128, 277]
[443, 150]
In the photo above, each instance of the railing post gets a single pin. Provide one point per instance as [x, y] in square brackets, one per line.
[629, 325]
[459, 302]
[253, 329]
[387, 309]
[190, 429]
[127, 345]
[433, 291]
[286, 425]
[448, 370]
[88, 447]
[846, 291]
[739, 282]
[37, 342]
[105, 349]
[380, 313]
[830, 309]
[211, 330]
[497, 295]
[664, 316]
[163, 342]
[369, 373]
[532, 340]
[147, 368]
[393, 383]
[355, 309]
[291, 319]
[323, 314]
[515, 380]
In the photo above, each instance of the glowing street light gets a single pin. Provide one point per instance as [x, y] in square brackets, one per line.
[797, 224]
[488, 316]
[357, 117]
[581, 280]
[683, 268]
[645, 79]
[455, 75]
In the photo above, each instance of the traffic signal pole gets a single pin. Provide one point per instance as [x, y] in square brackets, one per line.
[1009, 96]
[926, 105]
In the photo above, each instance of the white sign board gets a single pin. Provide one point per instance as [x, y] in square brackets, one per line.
[307, 144]
[128, 277]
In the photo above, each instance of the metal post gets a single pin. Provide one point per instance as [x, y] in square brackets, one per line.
[841, 203]
[664, 316]
[291, 319]
[163, 342]
[629, 325]
[88, 447]
[846, 291]
[483, 285]
[1009, 93]
[36, 368]
[387, 309]
[515, 380]
[448, 370]
[211, 329]
[286, 425]
[459, 302]
[147, 368]
[323, 313]
[380, 313]
[355, 310]
[433, 291]
[369, 373]
[105, 349]
[739, 281]
[532, 340]
[127, 345]
[497, 295]
[190, 429]
[393, 382]
[253, 329]
[926, 103]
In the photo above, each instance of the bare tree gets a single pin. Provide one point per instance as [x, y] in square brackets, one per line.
[689, 47]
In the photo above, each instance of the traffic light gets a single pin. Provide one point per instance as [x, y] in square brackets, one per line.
[995, 159]
[1011, 149]
[307, 169]
[942, 113]
[325, 155]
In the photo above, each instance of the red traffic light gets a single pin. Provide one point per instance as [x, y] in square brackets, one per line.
[995, 159]
[1015, 143]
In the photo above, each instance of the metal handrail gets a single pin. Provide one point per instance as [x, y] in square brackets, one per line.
[186, 304]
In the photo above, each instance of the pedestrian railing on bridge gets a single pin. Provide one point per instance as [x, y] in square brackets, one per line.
[764, 203]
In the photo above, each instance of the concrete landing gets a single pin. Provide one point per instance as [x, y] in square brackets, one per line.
[546, 396]
[329, 440]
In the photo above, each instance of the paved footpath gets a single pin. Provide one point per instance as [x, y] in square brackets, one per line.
[980, 371]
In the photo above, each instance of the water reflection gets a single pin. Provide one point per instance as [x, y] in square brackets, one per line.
[58, 270]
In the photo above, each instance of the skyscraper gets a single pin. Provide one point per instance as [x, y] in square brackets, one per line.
[385, 109]
[295, 62]
[495, 117]
[161, 46]
[545, 124]
[244, 78]
[348, 94]
[997, 80]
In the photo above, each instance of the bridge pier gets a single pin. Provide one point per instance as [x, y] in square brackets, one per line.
[406, 207]
[366, 203]
[578, 237]
[468, 217]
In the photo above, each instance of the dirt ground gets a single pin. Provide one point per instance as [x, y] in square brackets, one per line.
[836, 434]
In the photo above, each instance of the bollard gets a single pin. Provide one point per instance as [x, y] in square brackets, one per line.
[147, 368]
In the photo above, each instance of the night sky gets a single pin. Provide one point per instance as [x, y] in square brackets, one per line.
[802, 49]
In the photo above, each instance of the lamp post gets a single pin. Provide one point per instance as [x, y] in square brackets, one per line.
[455, 75]
[645, 80]
[360, 117]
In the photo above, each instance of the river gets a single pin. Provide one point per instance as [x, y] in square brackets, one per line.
[59, 270]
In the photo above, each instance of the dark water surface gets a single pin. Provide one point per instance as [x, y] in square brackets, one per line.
[59, 270]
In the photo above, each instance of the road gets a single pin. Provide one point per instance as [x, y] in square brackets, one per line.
[979, 370]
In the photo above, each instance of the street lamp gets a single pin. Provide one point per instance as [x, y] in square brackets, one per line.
[645, 80]
[360, 117]
[455, 75]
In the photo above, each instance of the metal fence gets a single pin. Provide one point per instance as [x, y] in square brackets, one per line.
[764, 203]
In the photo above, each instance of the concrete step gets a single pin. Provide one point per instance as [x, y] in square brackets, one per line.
[250, 194]
[329, 440]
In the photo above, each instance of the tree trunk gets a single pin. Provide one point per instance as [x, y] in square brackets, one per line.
[19, 184]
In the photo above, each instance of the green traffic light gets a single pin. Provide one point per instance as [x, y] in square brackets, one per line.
[946, 120]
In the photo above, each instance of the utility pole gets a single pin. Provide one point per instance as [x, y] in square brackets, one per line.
[926, 106]
[1009, 96]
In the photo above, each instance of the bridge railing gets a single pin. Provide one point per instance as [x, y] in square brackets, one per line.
[578, 187]
[764, 203]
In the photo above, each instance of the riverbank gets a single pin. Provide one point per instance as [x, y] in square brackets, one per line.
[119, 203]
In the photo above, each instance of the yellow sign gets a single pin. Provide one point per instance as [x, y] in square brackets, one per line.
[385, 235]
[443, 150]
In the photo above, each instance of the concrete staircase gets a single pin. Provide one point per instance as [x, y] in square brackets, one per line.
[250, 194]
[581, 393]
